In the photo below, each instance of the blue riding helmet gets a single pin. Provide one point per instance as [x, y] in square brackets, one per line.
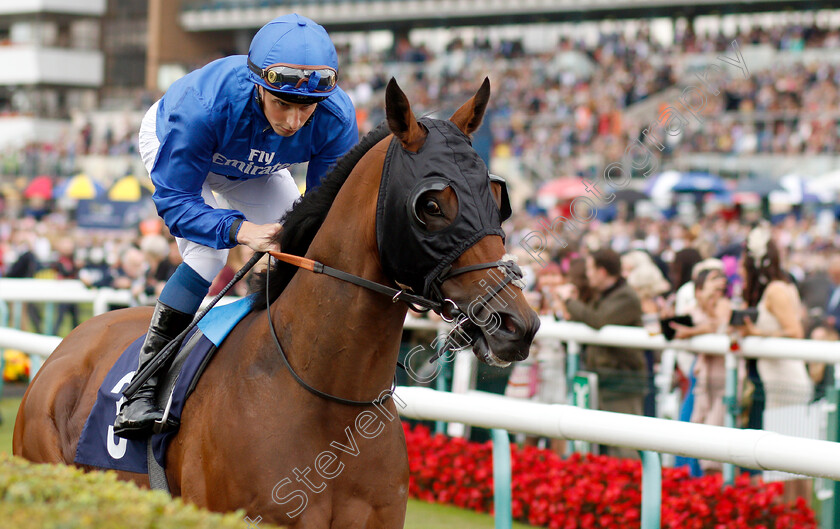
[293, 58]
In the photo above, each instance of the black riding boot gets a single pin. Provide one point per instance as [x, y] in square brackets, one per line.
[139, 413]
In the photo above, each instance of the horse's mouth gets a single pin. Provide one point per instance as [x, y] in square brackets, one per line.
[482, 350]
[483, 341]
[498, 336]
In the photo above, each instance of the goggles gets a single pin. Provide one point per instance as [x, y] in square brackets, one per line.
[312, 79]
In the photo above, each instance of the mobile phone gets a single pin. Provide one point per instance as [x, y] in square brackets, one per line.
[668, 332]
[738, 316]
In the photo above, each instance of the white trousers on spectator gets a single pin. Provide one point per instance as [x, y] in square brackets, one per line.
[262, 200]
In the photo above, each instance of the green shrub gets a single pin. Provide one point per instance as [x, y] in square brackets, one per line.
[62, 497]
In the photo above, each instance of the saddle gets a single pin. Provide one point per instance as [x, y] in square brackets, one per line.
[99, 447]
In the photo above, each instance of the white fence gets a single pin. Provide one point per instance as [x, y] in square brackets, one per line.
[62, 291]
[757, 449]
[30, 343]
[637, 337]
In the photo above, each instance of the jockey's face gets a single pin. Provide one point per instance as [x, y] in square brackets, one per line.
[285, 118]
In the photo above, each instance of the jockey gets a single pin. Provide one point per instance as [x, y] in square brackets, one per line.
[217, 145]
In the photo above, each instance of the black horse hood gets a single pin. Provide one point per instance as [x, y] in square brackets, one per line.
[412, 255]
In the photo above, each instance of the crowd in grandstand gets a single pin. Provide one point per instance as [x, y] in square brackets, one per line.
[550, 111]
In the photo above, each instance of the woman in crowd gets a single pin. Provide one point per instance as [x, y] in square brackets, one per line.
[710, 315]
[770, 289]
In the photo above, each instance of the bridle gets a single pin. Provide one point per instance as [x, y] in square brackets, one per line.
[416, 303]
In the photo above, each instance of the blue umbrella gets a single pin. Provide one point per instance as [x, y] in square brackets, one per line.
[699, 183]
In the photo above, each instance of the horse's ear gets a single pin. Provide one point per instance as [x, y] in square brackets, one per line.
[401, 120]
[468, 117]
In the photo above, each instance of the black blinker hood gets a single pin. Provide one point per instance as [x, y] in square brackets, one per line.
[410, 254]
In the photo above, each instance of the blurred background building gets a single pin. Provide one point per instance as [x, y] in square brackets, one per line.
[52, 61]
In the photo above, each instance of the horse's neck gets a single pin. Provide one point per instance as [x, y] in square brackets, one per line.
[341, 337]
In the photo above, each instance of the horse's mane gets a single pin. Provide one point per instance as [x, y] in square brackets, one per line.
[304, 220]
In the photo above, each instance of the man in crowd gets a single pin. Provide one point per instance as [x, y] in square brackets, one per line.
[621, 371]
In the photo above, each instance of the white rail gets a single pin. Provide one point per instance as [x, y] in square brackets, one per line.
[637, 337]
[757, 449]
[29, 343]
[62, 291]
[748, 448]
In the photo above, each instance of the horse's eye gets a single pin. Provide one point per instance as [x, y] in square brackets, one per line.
[431, 207]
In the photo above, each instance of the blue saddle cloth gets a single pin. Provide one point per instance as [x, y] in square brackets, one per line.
[98, 446]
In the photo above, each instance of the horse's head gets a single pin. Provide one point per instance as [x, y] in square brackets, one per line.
[438, 228]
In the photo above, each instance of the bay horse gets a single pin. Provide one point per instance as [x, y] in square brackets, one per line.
[250, 434]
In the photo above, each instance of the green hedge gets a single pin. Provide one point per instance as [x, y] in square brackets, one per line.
[63, 497]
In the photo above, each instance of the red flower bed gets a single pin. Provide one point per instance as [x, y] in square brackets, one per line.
[590, 492]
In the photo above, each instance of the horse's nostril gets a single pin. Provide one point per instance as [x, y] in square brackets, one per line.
[510, 323]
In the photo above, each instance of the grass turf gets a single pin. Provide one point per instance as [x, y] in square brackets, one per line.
[8, 411]
[422, 515]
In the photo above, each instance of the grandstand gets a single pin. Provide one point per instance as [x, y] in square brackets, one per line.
[576, 82]
[365, 15]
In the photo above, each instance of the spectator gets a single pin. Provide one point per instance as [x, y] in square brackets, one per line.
[66, 268]
[681, 274]
[650, 285]
[576, 276]
[26, 266]
[782, 386]
[130, 273]
[634, 259]
[156, 251]
[621, 371]
[685, 302]
[96, 273]
[548, 370]
[832, 309]
[710, 315]
[549, 279]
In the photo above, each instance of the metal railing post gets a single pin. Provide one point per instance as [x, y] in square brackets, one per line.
[502, 479]
[830, 503]
[730, 400]
[651, 490]
[572, 367]
[17, 315]
[440, 380]
[49, 318]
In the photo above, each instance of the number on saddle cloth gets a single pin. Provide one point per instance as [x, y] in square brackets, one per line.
[99, 447]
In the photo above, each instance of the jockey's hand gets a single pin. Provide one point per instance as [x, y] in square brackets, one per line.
[259, 237]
